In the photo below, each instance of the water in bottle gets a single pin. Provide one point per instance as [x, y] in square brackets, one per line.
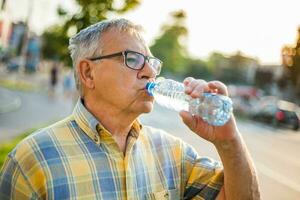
[215, 109]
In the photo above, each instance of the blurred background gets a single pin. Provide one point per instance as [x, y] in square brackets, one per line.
[252, 46]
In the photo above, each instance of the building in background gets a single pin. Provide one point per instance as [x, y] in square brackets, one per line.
[5, 26]
[17, 37]
[33, 53]
[22, 50]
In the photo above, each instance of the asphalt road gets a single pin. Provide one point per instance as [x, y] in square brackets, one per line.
[275, 152]
[36, 110]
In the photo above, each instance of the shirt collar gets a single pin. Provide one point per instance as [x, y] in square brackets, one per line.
[86, 120]
[92, 127]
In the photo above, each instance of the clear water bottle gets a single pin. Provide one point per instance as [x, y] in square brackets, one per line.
[215, 109]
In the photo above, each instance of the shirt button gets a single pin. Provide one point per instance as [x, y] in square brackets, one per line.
[96, 138]
[98, 128]
[166, 195]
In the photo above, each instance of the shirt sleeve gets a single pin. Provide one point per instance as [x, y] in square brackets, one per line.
[204, 176]
[13, 184]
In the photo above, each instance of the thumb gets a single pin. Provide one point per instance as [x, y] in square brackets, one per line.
[188, 119]
[195, 123]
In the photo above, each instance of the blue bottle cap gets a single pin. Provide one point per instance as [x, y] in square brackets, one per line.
[149, 87]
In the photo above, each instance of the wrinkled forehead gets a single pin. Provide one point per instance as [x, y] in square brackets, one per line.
[115, 40]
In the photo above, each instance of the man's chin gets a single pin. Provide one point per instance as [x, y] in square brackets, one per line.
[147, 107]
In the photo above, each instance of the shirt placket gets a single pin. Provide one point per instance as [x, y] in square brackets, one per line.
[109, 145]
[129, 176]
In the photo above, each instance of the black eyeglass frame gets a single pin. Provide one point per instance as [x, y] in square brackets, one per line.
[124, 54]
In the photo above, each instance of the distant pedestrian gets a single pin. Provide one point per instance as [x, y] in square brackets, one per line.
[53, 79]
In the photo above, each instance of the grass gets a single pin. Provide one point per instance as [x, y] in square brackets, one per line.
[16, 85]
[6, 147]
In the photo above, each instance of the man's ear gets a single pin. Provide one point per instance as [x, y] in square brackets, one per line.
[85, 68]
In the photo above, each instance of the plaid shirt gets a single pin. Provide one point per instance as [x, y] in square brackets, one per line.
[77, 158]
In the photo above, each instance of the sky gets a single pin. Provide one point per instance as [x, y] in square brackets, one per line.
[258, 28]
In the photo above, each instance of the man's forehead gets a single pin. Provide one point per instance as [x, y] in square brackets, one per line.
[120, 40]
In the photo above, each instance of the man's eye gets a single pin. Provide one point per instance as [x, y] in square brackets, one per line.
[132, 60]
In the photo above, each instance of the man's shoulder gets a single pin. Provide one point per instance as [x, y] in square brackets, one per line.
[51, 130]
[40, 138]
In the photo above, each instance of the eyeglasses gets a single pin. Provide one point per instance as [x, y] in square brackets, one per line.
[135, 60]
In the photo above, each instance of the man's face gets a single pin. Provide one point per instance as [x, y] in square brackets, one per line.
[118, 86]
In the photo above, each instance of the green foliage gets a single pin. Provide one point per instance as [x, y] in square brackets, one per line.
[263, 78]
[236, 72]
[56, 39]
[291, 62]
[215, 61]
[294, 69]
[169, 46]
[231, 69]
[55, 45]
[198, 68]
[17, 85]
[7, 147]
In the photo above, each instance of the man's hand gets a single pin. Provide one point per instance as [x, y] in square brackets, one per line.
[240, 180]
[214, 134]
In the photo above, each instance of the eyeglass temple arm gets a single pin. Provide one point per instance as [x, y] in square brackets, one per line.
[107, 56]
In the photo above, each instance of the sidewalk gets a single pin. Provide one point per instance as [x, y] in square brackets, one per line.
[8, 101]
[21, 110]
[36, 81]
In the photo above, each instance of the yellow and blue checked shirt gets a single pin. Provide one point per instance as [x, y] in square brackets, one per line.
[77, 158]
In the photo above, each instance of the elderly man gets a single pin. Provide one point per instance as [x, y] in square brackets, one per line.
[102, 151]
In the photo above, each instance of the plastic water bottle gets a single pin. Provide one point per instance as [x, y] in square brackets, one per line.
[213, 108]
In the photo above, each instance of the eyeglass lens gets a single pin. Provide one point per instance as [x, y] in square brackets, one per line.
[136, 61]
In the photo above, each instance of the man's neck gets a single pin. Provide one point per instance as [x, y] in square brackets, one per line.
[117, 122]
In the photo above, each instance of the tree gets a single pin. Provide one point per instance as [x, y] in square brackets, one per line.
[291, 62]
[216, 62]
[231, 69]
[55, 39]
[295, 68]
[263, 79]
[237, 71]
[169, 47]
[198, 68]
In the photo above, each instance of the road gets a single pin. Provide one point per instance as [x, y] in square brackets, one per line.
[37, 109]
[275, 152]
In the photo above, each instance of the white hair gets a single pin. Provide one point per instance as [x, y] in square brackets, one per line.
[87, 43]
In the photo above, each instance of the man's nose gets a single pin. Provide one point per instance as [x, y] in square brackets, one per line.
[148, 71]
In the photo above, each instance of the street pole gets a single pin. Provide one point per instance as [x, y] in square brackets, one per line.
[26, 36]
[3, 5]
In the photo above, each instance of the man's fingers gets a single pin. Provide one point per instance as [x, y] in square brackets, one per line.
[195, 124]
[189, 84]
[195, 88]
[187, 80]
[219, 86]
[199, 89]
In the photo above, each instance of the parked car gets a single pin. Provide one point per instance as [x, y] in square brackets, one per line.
[278, 113]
